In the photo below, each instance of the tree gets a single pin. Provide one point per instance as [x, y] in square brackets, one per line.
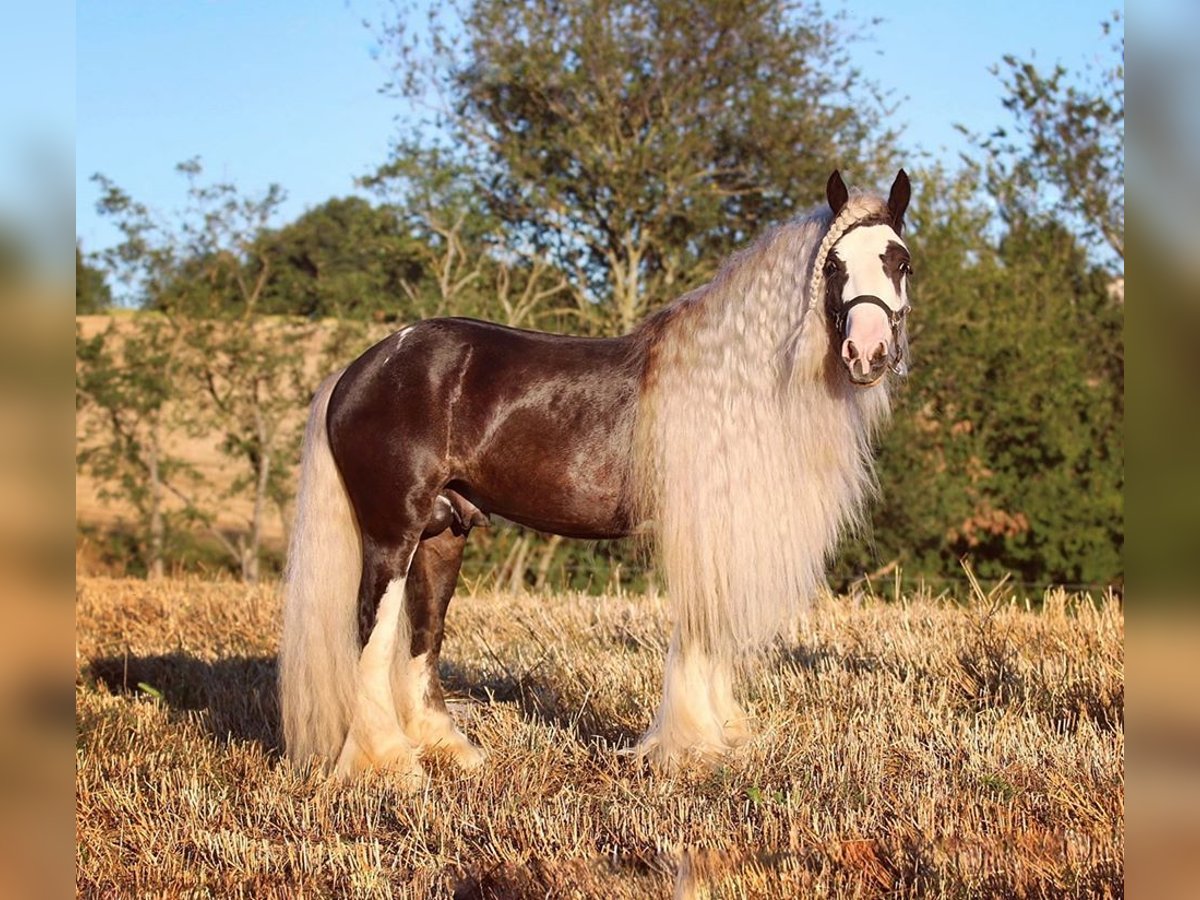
[469, 266]
[128, 380]
[1007, 443]
[344, 258]
[1007, 439]
[1069, 135]
[204, 355]
[254, 377]
[247, 367]
[92, 293]
[630, 146]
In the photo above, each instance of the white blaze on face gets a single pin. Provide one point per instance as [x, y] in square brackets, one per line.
[867, 326]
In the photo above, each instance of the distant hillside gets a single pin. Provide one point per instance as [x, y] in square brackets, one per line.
[202, 451]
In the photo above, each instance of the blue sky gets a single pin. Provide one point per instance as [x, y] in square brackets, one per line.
[288, 91]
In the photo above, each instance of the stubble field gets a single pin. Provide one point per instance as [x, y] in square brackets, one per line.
[915, 746]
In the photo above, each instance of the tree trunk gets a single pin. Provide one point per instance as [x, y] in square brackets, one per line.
[627, 287]
[250, 567]
[543, 569]
[516, 568]
[155, 566]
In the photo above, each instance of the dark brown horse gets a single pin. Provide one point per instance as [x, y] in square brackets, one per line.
[757, 392]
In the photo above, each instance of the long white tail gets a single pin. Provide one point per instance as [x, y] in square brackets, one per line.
[319, 648]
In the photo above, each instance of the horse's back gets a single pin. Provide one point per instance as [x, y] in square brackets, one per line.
[534, 427]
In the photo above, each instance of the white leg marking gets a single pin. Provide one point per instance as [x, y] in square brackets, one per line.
[375, 738]
[735, 724]
[428, 727]
[698, 715]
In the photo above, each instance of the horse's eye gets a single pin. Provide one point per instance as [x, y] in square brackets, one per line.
[830, 267]
[906, 270]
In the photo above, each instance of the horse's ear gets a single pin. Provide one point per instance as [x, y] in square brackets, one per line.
[898, 200]
[836, 193]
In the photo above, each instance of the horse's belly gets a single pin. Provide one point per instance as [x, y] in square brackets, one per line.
[563, 475]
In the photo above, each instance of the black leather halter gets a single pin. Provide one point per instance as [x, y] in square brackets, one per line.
[896, 319]
[895, 316]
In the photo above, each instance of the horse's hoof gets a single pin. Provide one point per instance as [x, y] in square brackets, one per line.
[399, 759]
[666, 755]
[736, 734]
[439, 736]
[652, 750]
[351, 761]
[459, 750]
[405, 765]
[467, 756]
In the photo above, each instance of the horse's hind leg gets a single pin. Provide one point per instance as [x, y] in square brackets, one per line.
[375, 738]
[416, 686]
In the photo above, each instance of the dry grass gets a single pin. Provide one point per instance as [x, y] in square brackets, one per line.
[914, 747]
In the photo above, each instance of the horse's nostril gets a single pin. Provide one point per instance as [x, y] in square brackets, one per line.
[880, 352]
[851, 351]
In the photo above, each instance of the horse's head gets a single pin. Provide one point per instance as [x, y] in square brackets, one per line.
[866, 283]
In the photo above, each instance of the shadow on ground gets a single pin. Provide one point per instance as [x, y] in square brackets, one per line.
[237, 694]
[540, 700]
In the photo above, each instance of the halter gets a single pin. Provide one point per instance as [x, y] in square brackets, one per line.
[895, 316]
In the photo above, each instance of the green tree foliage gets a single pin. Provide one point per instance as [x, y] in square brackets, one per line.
[202, 275]
[630, 146]
[128, 384]
[1006, 444]
[92, 293]
[344, 259]
[1066, 153]
[245, 364]
[129, 381]
[427, 250]
[470, 265]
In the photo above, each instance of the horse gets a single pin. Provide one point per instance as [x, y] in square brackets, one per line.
[734, 425]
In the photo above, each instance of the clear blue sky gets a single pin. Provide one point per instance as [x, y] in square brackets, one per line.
[288, 90]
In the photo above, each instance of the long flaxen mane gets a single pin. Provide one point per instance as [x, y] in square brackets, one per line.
[754, 451]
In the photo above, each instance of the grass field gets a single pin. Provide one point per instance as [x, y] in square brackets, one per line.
[911, 747]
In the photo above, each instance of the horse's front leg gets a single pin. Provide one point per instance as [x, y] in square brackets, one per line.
[698, 715]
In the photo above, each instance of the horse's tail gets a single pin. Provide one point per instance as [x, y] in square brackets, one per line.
[319, 648]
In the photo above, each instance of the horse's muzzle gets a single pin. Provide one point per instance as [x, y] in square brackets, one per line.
[866, 368]
[872, 339]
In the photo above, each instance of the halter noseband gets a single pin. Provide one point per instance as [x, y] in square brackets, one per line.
[896, 319]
